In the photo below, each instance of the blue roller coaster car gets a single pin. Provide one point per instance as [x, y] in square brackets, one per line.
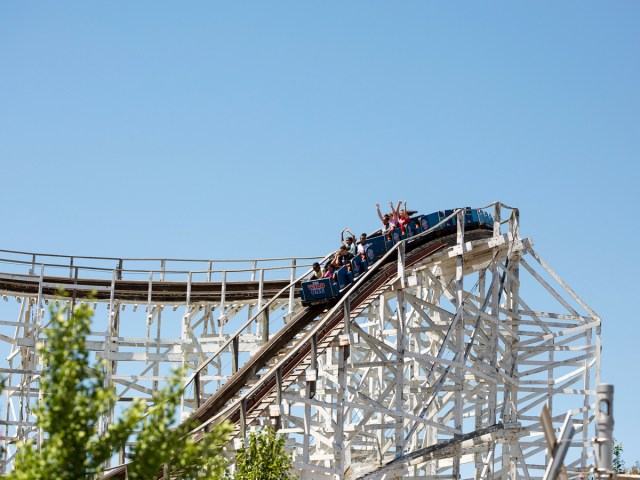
[322, 291]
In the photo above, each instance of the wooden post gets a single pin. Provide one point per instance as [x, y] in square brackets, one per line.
[401, 341]
[235, 348]
[223, 294]
[292, 288]
[196, 391]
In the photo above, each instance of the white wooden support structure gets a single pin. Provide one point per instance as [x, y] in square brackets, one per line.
[448, 347]
[140, 334]
[409, 382]
[557, 447]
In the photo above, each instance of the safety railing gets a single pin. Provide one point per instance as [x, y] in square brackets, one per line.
[161, 269]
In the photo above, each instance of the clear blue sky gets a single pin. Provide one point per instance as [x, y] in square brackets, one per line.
[155, 128]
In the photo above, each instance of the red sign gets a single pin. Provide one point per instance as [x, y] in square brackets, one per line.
[316, 288]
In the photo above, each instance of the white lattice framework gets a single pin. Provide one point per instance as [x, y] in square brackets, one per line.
[151, 316]
[440, 373]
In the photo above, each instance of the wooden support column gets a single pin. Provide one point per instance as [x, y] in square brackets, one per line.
[265, 313]
[382, 319]
[158, 339]
[32, 364]
[401, 340]
[265, 324]
[235, 351]
[197, 397]
[482, 391]
[184, 337]
[347, 317]
[149, 311]
[243, 420]
[251, 306]
[339, 438]
[261, 289]
[514, 301]
[492, 401]
[585, 405]
[459, 339]
[496, 220]
[306, 425]
[314, 365]
[223, 305]
[292, 288]
[278, 425]
[401, 265]
[310, 391]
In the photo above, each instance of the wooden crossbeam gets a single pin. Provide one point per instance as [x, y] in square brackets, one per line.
[550, 437]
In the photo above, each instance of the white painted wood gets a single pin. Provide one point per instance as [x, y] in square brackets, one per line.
[457, 346]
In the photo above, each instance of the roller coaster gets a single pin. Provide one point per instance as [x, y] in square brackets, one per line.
[433, 363]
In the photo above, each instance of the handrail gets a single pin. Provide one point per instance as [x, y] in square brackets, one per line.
[497, 204]
[152, 259]
[138, 271]
[34, 261]
[339, 304]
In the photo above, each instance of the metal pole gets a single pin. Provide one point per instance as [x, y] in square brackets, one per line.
[604, 428]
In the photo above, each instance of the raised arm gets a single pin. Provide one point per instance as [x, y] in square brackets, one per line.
[342, 237]
[395, 211]
[379, 212]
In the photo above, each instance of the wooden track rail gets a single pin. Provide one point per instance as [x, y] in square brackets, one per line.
[138, 290]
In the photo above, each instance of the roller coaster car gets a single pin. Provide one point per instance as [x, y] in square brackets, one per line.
[322, 291]
[325, 290]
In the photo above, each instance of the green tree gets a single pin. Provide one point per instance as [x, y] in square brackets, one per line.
[75, 395]
[618, 462]
[160, 442]
[263, 458]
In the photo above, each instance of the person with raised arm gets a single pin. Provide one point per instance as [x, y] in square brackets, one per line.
[380, 215]
[387, 226]
[350, 242]
[394, 216]
[403, 217]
